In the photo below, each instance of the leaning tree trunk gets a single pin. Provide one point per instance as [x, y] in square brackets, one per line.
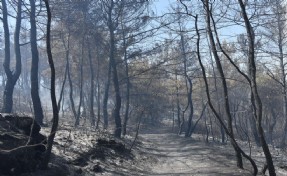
[11, 77]
[223, 137]
[37, 106]
[223, 81]
[255, 169]
[256, 101]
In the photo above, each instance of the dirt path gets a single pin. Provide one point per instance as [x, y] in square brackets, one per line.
[180, 156]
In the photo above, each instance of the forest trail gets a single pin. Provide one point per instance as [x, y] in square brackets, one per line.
[178, 156]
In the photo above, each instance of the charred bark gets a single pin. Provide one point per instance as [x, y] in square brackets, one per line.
[223, 81]
[44, 164]
[11, 77]
[256, 101]
[37, 105]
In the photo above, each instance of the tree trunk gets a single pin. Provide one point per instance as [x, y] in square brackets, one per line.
[106, 98]
[62, 88]
[223, 81]
[77, 122]
[256, 103]
[52, 91]
[11, 77]
[255, 169]
[70, 79]
[92, 113]
[37, 106]
[98, 93]
[65, 76]
[117, 108]
[189, 90]
[222, 132]
[189, 130]
[254, 130]
[8, 101]
[177, 101]
[126, 117]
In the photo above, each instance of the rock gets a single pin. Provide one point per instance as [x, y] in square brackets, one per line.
[97, 168]
[79, 171]
[22, 124]
[112, 144]
[80, 162]
[20, 152]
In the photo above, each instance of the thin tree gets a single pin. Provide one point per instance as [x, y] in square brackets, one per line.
[106, 97]
[223, 80]
[44, 164]
[91, 106]
[255, 98]
[37, 106]
[235, 145]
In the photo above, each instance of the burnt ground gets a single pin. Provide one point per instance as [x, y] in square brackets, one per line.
[84, 151]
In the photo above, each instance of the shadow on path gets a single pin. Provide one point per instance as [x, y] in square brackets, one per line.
[177, 155]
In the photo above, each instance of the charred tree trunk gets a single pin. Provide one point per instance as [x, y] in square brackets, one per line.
[92, 113]
[7, 104]
[77, 122]
[71, 89]
[222, 132]
[177, 101]
[37, 106]
[190, 126]
[256, 101]
[127, 106]
[11, 77]
[106, 98]
[65, 78]
[189, 88]
[223, 81]
[62, 88]
[255, 171]
[117, 108]
[71, 92]
[52, 91]
[98, 93]
[254, 129]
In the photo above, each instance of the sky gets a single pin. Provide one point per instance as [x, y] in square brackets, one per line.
[161, 6]
[228, 33]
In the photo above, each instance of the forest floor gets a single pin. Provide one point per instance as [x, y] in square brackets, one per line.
[186, 156]
[156, 152]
